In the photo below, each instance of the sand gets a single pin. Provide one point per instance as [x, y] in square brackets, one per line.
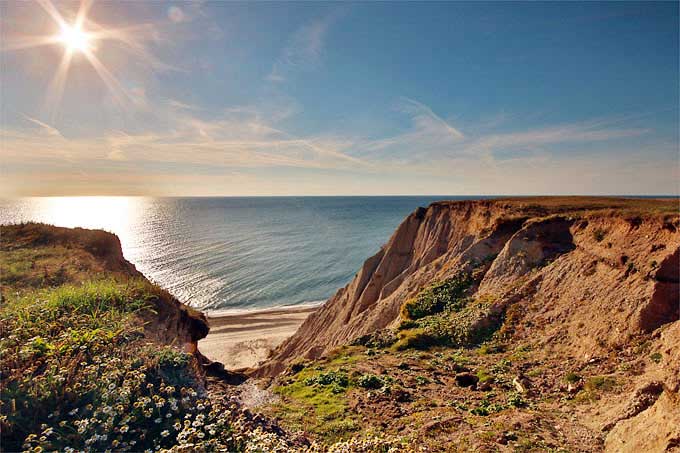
[243, 339]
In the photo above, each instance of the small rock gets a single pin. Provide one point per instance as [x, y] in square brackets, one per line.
[521, 383]
[466, 379]
[504, 438]
[401, 395]
[484, 386]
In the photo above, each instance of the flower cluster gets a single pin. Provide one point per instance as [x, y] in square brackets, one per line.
[375, 443]
[132, 412]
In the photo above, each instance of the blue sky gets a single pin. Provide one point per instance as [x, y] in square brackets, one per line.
[218, 98]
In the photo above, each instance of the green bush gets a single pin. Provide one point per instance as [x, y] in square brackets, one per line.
[338, 379]
[572, 377]
[171, 358]
[471, 324]
[422, 380]
[371, 381]
[380, 339]
[515, 399]
[487, 407]
[444, 296]
[415, 339]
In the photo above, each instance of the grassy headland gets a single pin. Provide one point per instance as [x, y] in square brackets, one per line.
[95, 358]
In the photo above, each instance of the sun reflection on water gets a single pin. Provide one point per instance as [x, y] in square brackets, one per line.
[114, 214]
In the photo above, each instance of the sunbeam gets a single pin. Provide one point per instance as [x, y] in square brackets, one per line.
[81, 36]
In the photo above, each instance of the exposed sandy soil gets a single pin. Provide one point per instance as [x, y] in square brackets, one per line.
[584, 293]
[242, 340]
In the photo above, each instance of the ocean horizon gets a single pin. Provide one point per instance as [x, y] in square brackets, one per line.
[236, 254]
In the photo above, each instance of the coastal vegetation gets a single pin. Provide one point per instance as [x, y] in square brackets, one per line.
[445, 314]
[497, 348]
[535, 314]
[96, 358]
[81, 373]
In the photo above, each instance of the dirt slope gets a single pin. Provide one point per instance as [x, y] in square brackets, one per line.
[601, 266]
[586, 280]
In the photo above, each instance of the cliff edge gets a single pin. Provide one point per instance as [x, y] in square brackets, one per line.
[589, 272]
[559, 315]
[53, 256]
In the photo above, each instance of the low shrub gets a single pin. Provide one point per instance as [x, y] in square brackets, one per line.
[79, 375]
[572, 378]
[486, 407]
[415, 339]
[371, 381]
[515, 399]
[380, 339]
[335, 378]
[437, 298]
[602, 383]
[422, 380]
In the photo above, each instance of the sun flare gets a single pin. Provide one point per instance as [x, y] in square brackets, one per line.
[75, 39]
[79, 34]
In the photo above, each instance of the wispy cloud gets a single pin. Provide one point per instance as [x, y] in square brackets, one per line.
[236, 137]
[431, 155]
[46, 128]
[304, 49]
[435, 139]
[428, 135]
[425, 119]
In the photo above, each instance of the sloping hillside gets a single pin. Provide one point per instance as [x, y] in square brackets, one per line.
[613, 257]
[94, 357]
[583, 292]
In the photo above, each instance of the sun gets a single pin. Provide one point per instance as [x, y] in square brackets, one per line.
[79, 35]
[75, 39]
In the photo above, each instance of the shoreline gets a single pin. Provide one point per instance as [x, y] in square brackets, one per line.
[274, 309]
[243, 338]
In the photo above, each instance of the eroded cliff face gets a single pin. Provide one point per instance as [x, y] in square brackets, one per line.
[580, 278]
[586, 277]
[429, 244]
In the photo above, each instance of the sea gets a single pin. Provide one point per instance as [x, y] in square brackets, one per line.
[232, 254]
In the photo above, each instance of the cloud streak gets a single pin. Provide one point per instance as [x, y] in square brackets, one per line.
[304, 49]
[432, 138]
[431, 155]
[234, 138]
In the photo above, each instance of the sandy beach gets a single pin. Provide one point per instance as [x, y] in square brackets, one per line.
[242, 339]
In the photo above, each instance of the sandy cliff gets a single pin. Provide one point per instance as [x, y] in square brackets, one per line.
[588, 272]
[583, 278]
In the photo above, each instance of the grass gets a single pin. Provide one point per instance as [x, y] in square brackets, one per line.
[89, 363]
[316, 401]
[78, 373]
[600, 383]
[594, 387]
[78, 369]
[47, 266]
[316, 398]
